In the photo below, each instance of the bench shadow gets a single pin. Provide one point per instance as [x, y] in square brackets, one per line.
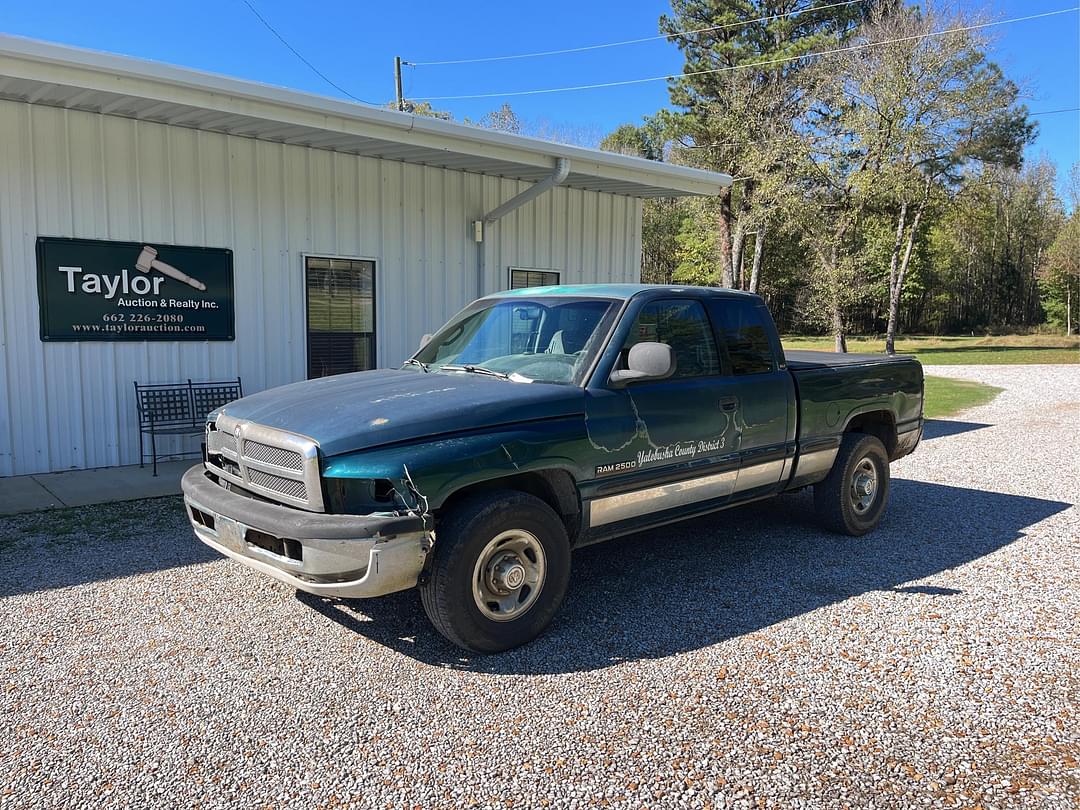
[695, 584]
[938, 428]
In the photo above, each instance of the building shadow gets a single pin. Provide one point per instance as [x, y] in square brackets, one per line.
[695, 584]
[64, 547]
[938, 428]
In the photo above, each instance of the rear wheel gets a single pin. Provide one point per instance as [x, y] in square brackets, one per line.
[852, 499]
[499, 573]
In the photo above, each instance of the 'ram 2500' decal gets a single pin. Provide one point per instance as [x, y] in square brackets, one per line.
[658, 455]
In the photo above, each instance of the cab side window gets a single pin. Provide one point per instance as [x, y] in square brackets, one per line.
[683, 325]
[742, 332]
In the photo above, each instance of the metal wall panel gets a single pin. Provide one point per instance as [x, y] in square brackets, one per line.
[79, 174]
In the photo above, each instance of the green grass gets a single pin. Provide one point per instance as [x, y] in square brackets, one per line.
[947, 397]
[1011, 349]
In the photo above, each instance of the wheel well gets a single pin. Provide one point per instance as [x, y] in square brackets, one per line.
[556, 488]
[876, 423]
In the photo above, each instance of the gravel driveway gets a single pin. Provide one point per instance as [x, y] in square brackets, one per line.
[745, 659]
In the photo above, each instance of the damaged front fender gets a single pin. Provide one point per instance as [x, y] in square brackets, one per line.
[422, 476]
[398, 496]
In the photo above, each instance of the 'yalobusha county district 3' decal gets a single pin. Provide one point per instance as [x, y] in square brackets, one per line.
[101, 290]
[656, 455]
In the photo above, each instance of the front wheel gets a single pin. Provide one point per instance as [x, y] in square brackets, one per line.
[499, 573]
[852, 498]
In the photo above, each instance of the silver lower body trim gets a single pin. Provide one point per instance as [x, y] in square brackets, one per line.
[628, 505]
[816, 462]
[908, 440]
[759, 475]
[640, 502]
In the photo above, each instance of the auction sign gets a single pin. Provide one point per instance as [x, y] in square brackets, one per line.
[90, 289]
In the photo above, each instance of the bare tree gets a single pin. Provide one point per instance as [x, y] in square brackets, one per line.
[898, 118]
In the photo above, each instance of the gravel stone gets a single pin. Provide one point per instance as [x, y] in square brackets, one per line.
[744, 660]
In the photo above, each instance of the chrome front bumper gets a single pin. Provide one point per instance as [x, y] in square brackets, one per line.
[349, 556]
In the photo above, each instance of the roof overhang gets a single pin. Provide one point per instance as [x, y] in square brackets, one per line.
[38, 72]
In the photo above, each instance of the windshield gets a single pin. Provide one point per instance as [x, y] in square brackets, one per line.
[540, 339]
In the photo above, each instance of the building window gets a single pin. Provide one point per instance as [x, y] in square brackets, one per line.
[340, 315]
[532, 278]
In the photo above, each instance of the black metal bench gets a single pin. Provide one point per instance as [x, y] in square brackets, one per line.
[179, 409]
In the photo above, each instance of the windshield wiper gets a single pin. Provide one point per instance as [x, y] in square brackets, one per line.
[478, 370]
[412, 361]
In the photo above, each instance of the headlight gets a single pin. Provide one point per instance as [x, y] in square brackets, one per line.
[361, 496]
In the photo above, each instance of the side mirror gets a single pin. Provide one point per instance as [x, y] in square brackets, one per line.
[425, 340]
[646, 361]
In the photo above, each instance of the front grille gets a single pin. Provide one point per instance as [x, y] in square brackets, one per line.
[218, 441]
[226, 441]
[278, 456]
[286, 486]
[229, 466]
[273, 463]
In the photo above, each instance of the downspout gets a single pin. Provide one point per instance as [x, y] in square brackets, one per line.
[558, 177]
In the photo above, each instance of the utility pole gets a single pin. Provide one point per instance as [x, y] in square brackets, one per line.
[397, 84]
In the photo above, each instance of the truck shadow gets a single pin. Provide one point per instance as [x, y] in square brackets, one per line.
[692, 585]
[938, 428]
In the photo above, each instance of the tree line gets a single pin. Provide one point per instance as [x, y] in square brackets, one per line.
[877, 156]
[878, 185]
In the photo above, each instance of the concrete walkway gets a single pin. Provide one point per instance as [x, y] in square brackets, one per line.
[33, 493]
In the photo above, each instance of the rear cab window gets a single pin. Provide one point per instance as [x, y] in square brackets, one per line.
[744, 336]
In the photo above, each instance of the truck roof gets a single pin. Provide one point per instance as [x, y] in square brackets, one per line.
[620, 291]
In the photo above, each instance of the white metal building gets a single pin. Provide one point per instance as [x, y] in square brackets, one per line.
[100, 147]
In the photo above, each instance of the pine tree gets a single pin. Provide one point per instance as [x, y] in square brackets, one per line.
[736, 118]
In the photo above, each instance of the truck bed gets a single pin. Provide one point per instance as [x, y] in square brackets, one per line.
[836, 390]
[801, 359]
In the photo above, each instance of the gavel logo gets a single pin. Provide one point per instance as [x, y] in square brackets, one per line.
[148, 261]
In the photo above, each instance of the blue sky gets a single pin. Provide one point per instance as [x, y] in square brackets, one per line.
[354, 43]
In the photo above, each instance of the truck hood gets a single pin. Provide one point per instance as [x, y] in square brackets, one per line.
[352, 412]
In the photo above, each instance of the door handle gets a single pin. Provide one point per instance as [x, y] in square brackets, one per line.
[729, 403]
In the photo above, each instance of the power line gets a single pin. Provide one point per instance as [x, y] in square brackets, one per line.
[300, 56]
[629, 41]
[748, 65]
[739, 143]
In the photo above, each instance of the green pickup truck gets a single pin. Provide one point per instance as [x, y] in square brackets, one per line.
[535, 422]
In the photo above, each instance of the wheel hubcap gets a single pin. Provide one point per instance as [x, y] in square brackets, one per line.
[509, 575]
[864, 485]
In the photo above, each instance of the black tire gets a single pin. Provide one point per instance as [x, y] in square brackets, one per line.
[839, 505]
[466, 533]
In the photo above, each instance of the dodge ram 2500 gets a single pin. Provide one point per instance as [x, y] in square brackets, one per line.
[534, 422]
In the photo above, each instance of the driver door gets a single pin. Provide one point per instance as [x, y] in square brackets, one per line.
[667, 444]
